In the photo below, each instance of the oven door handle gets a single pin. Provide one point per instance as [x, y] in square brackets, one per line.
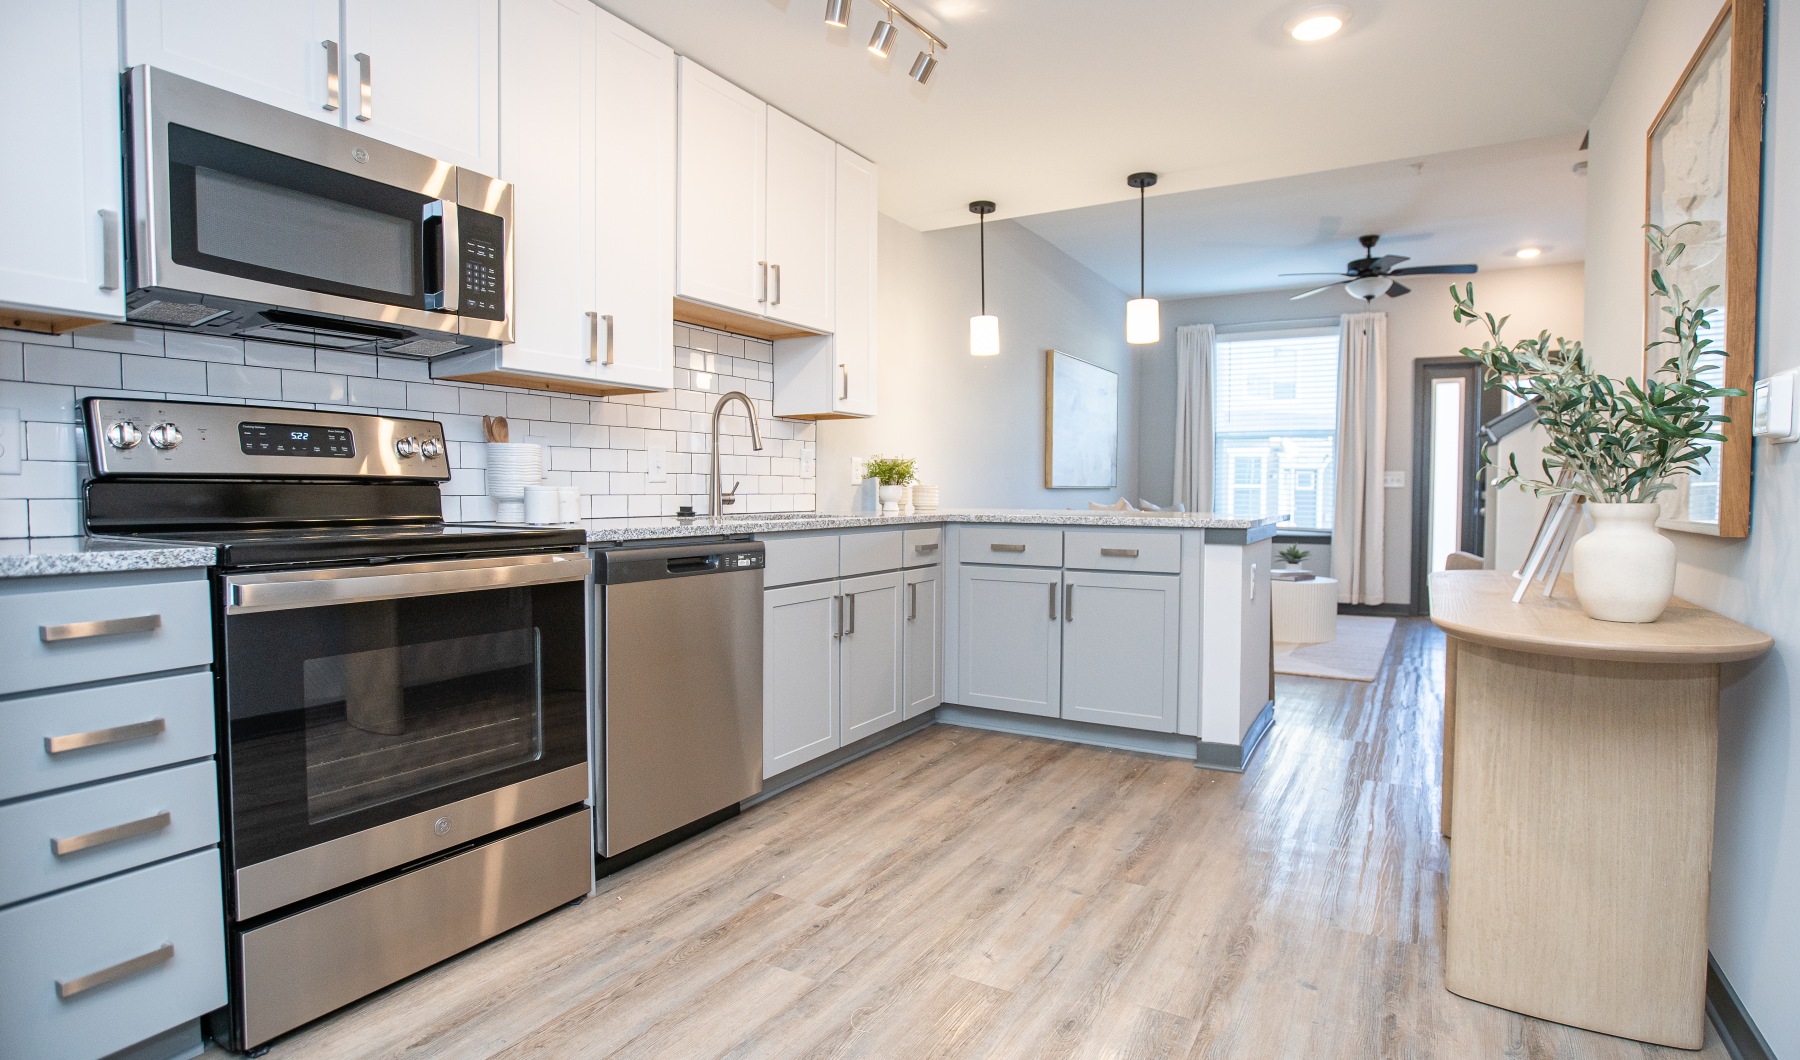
[286, 590]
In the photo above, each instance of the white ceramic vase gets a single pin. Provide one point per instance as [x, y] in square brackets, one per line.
[890, 499]
[1625, 569]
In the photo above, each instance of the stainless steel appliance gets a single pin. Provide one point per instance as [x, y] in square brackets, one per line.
[402, 703]
[680, 680]
[249, 220]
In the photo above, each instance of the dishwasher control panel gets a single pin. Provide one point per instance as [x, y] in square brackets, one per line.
[740, 560]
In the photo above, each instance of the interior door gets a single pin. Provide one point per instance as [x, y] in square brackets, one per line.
[870, 654]
[853, 325]
[1011, 639]
[801, 629]
[280, 54]
[922, 640]
[1121, 645]
[802, 178]
[720, 202]
[1449, 493]
[433, 69]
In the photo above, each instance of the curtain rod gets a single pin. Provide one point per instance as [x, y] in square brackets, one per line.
[1273, 325]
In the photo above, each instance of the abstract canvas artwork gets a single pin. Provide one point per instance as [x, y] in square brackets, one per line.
[1081, 424]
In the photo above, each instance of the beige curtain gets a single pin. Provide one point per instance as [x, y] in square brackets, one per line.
[1358, 539]
[1193, 416]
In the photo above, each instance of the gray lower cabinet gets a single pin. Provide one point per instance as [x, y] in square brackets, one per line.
[1010, 646]
[800, 674]
[869, 654]
[1120, 647]
[922, 640]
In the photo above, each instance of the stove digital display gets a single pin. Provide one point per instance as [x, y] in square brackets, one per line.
[295, 439]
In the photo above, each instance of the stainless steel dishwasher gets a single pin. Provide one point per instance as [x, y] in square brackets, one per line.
[680, 691]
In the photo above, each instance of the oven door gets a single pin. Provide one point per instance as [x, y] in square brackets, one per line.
[379, 715]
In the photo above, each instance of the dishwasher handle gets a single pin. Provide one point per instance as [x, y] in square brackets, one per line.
[649, 563]
[692, 564]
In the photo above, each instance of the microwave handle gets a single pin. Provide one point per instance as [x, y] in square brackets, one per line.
[442, 213]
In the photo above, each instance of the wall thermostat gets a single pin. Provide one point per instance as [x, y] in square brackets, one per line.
[1773, 413]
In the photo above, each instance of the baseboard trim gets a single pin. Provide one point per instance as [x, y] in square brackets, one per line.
[1736, 1030]
[1235, 757]
[829, 761]
[1168, 744]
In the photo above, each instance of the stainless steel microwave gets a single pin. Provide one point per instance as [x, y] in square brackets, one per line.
[252, 221]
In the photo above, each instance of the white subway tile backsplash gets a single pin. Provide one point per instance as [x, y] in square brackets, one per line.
[238, 380]
[410, 369]
[338, 362]
[120, 338]
[482, 402]
[169, 375]
[313, 387]
[13, 520]
[52, 441]
[12, 360]
[203, 347]
[71, 365]
[528, 406]
[39, 401]
[569, 410]
[431, 397]
[58, 517]
[278, 355]
[376, 393]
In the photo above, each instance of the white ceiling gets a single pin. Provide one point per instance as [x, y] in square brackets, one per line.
[1480, 205]
[1046, 105]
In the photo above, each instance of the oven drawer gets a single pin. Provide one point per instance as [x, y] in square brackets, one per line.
[924, 547]
[61, 739]
[57, 841]
[101, 967]
[92, 628]
[1149, 551]
[1013, 545]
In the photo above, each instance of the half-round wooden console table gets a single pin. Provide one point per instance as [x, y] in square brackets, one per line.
[1578, 785]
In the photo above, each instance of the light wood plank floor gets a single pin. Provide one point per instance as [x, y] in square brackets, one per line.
[970, 894]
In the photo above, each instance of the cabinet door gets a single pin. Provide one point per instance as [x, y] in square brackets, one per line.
[62, 252]
[1010, 647]
[1121, 643]
[434, 76]
[547, 64]
[635, 206]
[719, 198]
[855, 247]
[802, 176]
[870, 654]
[800, 674]
[922, 639]
[274, 53]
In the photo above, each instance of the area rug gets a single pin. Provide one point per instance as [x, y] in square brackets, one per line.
[1355, 655]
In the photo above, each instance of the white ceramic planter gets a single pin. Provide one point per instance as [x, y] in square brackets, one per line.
[1625, 569]
[890, 499]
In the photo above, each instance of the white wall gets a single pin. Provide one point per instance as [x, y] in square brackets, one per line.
[976, 424]
[1756, 853]
[1419, 327]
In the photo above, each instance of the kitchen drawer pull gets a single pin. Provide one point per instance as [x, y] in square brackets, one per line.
[1007, 548]
[105, 627]
[933, 547]
[764, 266]
[837, 617]
[912, 600]
[776, 270]
[365, 106]
[1120, 553]
[850, 616]
[332, 94]
[608, 317]
[78, 741]
[593, 336]
[845, 394]
[1069, 602]
[111, 252]
[1052, 601]
[100, 837]
[68, 988]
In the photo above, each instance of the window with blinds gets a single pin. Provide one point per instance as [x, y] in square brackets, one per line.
[1274, 420]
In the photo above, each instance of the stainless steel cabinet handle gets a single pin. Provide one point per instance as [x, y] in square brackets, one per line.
[1052, 601]
[845, 396]
[850, 619]
[1006, 548]
[593, 336]
[933, 547]
[77, 741]
[776, 269]
[1120, 553]
[837, 617]
[332, 94]
[608, 317]
[912, 600]
[1069, 602]
[1253, 582]
[105, 627]
[100, 837]
[68, 988]
[764, 266]
[111, 252]
[365, 107]
[342, 585]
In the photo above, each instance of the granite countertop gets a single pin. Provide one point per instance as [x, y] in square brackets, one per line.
[22, 557]
[603, 531]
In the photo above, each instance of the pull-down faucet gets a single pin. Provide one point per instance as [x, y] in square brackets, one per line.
[719, 498]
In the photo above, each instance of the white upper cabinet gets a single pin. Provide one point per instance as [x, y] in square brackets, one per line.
[833, 376]
[62, 251]
[432, 70]
[722, 172]
[802, 173]
[283, 54]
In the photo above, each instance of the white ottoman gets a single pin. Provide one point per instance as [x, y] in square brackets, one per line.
[1304, 612]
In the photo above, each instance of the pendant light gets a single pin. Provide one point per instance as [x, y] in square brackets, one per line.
[1143, 317]
[984, 330]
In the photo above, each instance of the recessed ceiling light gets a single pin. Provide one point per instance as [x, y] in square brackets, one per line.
[1529, 252]
[1318, 23]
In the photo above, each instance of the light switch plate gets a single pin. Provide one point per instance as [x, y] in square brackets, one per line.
[12, 442]
[1775, 407]
[1393, 480]
[856, 470]
[659, 459]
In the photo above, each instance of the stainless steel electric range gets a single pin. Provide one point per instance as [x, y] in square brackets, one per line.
[402, 702]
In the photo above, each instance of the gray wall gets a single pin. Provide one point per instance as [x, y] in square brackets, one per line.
[976, 424]
[1756, 852]
[1419, 326]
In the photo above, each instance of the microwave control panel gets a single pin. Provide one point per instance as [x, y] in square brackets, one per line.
[483, 292]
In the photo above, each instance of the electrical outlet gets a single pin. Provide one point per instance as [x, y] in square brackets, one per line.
[1393, 480]
[808, 465]
[659, 459]
[856, 470]
[12, 442]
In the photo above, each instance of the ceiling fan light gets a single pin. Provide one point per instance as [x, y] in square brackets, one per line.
[1143, 321]
[837, 13]
[1369, 288]
[1318, 23]
[922, 67]
[883, 38]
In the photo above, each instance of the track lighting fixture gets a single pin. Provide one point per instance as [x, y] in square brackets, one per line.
[884, 36]
[837, 13]
[984, 330]
[1143, 316]
[923, 66]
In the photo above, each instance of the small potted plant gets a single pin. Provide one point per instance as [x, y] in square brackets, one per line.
[894, 473]
[1616, 443]
[1294, 555]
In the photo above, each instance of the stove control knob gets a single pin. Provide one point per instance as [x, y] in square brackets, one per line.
[431, 448]
[165, 436]
[406, 447]
[124, 435]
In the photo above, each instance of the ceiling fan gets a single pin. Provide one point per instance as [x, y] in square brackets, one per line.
[1370, 277]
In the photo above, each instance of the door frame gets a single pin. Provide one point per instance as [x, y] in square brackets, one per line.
[1479, 405]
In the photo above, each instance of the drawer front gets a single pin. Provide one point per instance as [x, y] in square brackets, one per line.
[923, 547]
[92, 970]
[1017, 545]
[794, 558]
[114, 627]
[867, 553]
[60, 840]
[1149, 551]
[64, 738]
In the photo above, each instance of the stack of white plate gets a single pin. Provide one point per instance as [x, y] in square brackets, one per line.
[924, 498]
[511, 467]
